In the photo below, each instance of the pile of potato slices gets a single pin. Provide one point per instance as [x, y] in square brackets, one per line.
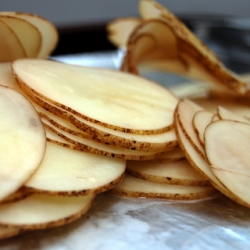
[87, 131]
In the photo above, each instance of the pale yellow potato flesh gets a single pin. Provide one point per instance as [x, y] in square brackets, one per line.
[40, 211]
[176, 173]
[227, 146]
[135, 188]
[28, 34]
[185, 112]
[6, 77]
[120, 29]
[48, 31]
[18, 195]
[69, 172]
[98, 94]
[11, 47]
[200, 121]
[22, 134]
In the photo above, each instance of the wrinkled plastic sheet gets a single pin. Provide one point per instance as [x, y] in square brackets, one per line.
[115, 223]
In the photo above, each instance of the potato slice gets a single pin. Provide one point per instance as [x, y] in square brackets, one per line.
[6, 77]
[22, 134]
[127, 103]
[47, 30]
[18, 195]
[137, 188]
[68, 172]
[27, 33]
[40, 211]
[120, 30]
[202, 166]
[69, 140]
[175, 173]
[185, 112]
[227, 146]
[11, 47]
[225, 114]
[200, 121]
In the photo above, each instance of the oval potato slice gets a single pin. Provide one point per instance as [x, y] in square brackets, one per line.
[113, 99]
[64, 171]
[136, 188]
[28, 34]
[175, 173]
[40, 211]
[227, 145]
[23, 141]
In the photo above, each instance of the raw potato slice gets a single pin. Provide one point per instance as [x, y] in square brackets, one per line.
[112, 99]
[120, 30]
[202, 166]
[48, 31]
[215, 118]
[185, 112]
[200, 61]
[6, 77]
[18, 195]
[225, 114]
[137, 188]
[23, 140]
[97, 148]
[11, 47]
[40, 211]
[6, 232]
[28, 34]
[65, 171]
[200, 121]
[227, 146]
[175, 173]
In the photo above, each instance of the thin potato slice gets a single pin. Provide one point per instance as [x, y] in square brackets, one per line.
[137, 188]
[175, 173]
[27, 33]
[112, 99]
[60, 138]
[68, 172]
[77, 126]
[120, 30]
[200, 121]
[40, 211]
[23, 140]
[225, 114]
[185, 112]
[48, 31]
[11, 47]
[6, 77]
[202, 166]
[18, 195]
[227, 146]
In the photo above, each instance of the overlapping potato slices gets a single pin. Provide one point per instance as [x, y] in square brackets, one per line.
[25, 35]
[161, 41]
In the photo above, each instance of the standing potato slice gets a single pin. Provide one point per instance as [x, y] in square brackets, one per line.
[40, 211]
[227, 145]
[48, 31]
[23, 140]
[110, 98]
[28, 34]
[11, 47]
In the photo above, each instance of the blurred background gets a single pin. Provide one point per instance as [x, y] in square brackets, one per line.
[81, 23]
